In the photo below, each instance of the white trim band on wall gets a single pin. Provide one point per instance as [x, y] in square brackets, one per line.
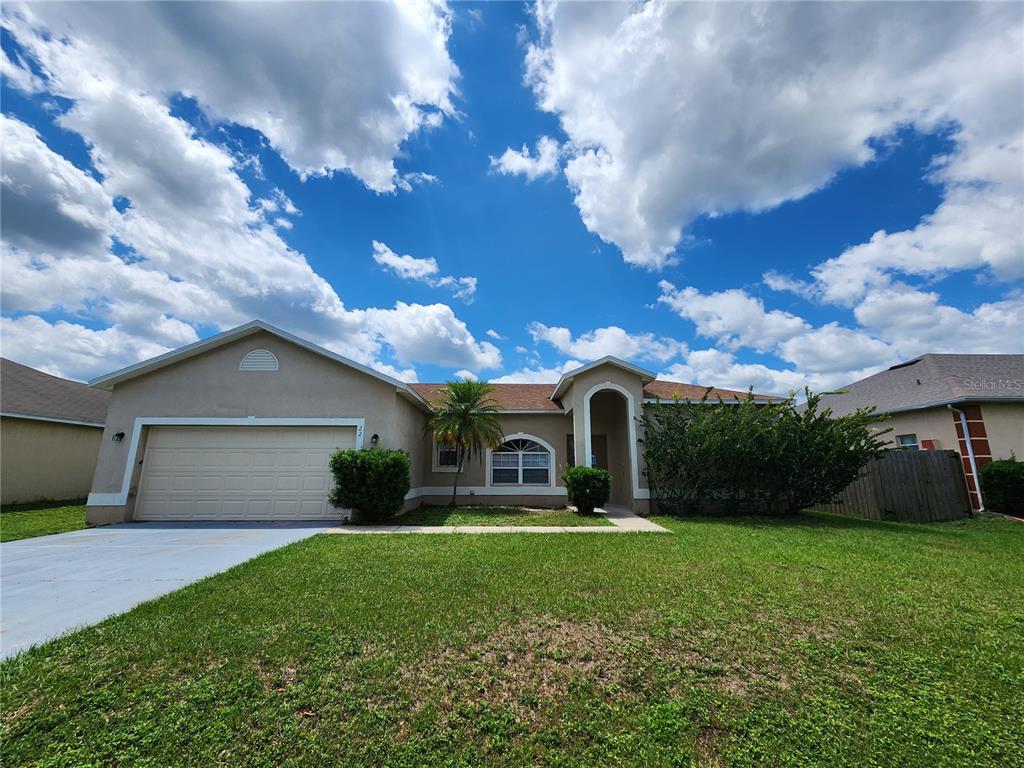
[486, 490]
[121, 498]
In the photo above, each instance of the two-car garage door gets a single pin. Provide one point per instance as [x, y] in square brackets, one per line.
[239, 473]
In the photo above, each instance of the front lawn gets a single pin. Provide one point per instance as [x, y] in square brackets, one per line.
[427, 515]
[812, 641]
[41, 518]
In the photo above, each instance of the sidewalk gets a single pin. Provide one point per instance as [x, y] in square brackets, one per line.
[622, 521]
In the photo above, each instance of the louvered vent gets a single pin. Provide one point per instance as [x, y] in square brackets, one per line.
[259, 360]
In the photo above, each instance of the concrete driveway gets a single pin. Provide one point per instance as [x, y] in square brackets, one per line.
[51, 585]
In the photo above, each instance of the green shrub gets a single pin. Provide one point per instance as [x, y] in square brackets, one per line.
[1002, 486]
[587, 487]
[753, 457]
[371, 482]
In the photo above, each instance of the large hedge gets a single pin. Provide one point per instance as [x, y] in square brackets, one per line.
[371, 482]
[1002, 486]
[587, 488]
[753, 457]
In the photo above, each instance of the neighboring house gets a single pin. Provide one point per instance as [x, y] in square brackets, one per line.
[50, 430]
[972, 404]
[241, 425]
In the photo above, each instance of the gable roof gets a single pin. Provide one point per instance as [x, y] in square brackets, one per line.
[568, 376]
[934, 379]
[205, 345]
[28, 393]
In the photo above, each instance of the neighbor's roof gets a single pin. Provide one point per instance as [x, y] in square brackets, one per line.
[932, 380]
[537, 397]
[28, 393]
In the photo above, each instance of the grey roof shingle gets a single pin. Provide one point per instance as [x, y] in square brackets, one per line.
[934, 380]
[27, 392]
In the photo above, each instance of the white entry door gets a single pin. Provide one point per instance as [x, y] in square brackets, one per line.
[239, 473]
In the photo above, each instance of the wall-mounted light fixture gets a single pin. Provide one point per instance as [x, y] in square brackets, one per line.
[117, 437]
[374, 440]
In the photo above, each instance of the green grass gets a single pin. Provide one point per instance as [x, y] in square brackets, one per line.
[813, 641]
[427, 515]
[41, 518]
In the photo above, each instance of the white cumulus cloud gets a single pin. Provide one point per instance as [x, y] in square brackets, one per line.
[679, 110]
[188, 247]
[610, 340]
[544, 162]
[423, 271]
[538, 375]
[732, 317]
[287, 74]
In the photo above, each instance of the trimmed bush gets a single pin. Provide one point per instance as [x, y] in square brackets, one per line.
[588, 487]
[371, 482]
[1002, 486]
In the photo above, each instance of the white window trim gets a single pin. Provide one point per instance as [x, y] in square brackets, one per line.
[523, 436]
[435, 465]
[916, 444]
[121, 497]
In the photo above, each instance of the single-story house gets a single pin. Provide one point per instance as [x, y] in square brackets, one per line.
[972, 404]
[241, 425]
[50, 430]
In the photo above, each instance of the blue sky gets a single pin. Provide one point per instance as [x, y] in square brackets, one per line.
[540, 185]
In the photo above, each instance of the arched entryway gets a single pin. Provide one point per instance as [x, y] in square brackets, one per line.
[610, 437]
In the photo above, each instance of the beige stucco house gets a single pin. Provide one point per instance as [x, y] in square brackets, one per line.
[241, 425]
[50, 431]
[972, 404]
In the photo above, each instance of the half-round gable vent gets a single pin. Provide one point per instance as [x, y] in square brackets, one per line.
[259, 360]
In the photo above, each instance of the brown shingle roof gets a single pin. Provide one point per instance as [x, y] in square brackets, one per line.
[671, 390]
[510, 397]
[537, 397]
[28, 392]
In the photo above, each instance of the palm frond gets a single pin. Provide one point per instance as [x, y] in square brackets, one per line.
[466, 416]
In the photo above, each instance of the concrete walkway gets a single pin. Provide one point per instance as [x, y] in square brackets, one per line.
[622, 520]
[54, 584]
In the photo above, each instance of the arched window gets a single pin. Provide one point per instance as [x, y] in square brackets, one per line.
[259, 360]
[521, 461]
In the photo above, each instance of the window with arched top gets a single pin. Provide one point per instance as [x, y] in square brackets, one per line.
[259, 360]
[521, 461]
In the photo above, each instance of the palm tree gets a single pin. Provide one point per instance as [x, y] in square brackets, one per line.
[466, 417]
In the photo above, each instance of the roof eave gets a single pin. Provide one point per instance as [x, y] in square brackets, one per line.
[726, 401]
[952, 401]
[515, 411]
[52, 419]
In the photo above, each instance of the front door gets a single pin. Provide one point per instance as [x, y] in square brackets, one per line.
[599, 451]
[620, 472]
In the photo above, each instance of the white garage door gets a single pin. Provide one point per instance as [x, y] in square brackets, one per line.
[239, 473]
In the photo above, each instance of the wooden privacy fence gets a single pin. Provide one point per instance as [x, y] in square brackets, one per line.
[909, 486]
